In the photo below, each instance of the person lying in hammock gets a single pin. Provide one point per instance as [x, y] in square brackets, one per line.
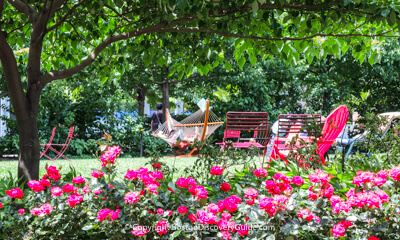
[180, 144]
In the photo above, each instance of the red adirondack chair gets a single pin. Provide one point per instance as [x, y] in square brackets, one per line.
[334, 124]
[63, 146]
[290, 126]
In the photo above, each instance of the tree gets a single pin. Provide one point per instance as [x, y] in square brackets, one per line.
[64, 37]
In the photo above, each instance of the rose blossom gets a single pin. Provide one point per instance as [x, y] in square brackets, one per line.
[157, 175]
[225, 187]
[373, 238]
[15, 193]
[97, 174]
[36, 186]
[216, 170]
[193, 217]
[243, 230]
[297, 180]
[21, 211]
[74, 199]
[161, 227]
[213, 208]
[160, 211]
[56, 191]
[132, 197]
[338, 230]
[68, 188]
[260, 172]
[250, 193]
[110, 155]
[156, 165]
[78, 180]
[53, 173]
[182, 210]
[107, 214]
[139, 230]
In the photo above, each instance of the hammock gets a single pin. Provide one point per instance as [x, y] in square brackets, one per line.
[198, 126]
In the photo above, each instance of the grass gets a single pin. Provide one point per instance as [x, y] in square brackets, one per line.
[84, 167]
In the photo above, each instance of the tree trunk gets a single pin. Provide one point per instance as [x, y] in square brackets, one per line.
[141, 97]
[165, 97]
[29, 145]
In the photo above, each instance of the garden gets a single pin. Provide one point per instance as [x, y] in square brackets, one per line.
[289, 127]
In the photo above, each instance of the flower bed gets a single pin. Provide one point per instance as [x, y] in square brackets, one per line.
[258, 203]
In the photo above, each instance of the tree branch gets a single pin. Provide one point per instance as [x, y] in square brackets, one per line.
[61, 74]
[66, 16]
[15, 29]
[79, 35]
[224, 34]
[56, 5]
[25, 8]
[10, 70]
[3, 94]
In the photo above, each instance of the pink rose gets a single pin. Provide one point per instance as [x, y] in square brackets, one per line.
[107, 214]
[110, 155]
[78, 180]
[21, 211]
[56, 191]
[97, 174]
[15, 193]
[36, 186]
[213, 208]
[157, 175]
[139, 230]
[297, 180]
[53, 173]
[161, 227]
[182, 210]
[250, 193]
[160, 211]
[243, 230]
[260, 172]
[132, 197]
[338, 230]
[68, 188]
[216, 170]
[74, 199]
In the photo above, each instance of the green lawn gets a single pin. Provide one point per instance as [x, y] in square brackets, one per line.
[85, 166]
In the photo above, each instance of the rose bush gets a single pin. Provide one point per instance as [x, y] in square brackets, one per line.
[273, 201]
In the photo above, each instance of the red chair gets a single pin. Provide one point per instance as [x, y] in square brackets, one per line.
[229, 134]
[289, 127]
[64, 146]
[333, 126]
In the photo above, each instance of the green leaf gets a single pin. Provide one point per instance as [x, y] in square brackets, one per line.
[87, 227]
[393, 16]
[228, 66]
[385, 12]
[175, 234]
[241, 61]
[254, 6]
[252, 58]
[182, 4]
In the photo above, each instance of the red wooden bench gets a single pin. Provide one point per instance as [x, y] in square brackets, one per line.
[240, 123]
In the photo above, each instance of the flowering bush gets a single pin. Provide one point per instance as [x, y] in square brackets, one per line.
[269, 202]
